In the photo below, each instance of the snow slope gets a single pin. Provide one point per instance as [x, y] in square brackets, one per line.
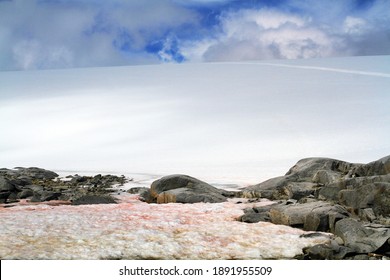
[232, 122]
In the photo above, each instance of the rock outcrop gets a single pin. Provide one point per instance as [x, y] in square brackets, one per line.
[349, 200]
[184, 189]
[39, 185]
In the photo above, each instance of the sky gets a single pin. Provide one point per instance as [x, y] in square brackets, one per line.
[47, 34]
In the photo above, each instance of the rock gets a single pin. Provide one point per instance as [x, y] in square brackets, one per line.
[6, 189]
[322, 218]
[319, 252]
[367, 214]
[378, 167]
[45, 196]
[5, 185]
[138, 190]
[360, 238]
[330, 251]
[36, 173]
[25, 193]
[271, 189]
[255, 217]
[374, 195]
[303, 179]
[381, 202]
[21, 181]
[94, 199]
[309, 216]
[186, 189]
[330, 192]
[35, 188]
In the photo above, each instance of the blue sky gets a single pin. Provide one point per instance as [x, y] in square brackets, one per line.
[44, 34]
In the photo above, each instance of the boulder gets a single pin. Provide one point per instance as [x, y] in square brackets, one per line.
[45, 196]
[36, 173]
[186, 189]
[327, 251]
[94, 199]
[5, 185]
[305, 178]
[256, 214]
[375, 195]
[6, 189]
[361, 238]
[312, 216]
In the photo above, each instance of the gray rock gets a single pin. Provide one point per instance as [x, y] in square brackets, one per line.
[367, 214]
[45, 196]
[303, 179]
[94, 199]
[322, 218]
[36, 173]
[381, 202]
[378, 167]
[25, 193]
[309, 216]
[375, 195]
[329, 192]
[255, 217]
[5, 185]
[360, 238]
[186, 189]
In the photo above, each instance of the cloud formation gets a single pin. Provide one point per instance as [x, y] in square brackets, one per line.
[40, 34]
[271, 33]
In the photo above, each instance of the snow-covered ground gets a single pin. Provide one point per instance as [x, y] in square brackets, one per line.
[229, 122]
[136, 230]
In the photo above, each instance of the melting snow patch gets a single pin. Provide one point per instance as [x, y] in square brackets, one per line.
[136, 230]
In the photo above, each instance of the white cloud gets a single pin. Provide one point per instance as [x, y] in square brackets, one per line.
[52, 34]
[32, 54]
[319, 29]
[354, 25]
[264, 34]
[68, 33]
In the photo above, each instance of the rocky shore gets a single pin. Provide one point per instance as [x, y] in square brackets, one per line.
[348, 200]
[40, 185]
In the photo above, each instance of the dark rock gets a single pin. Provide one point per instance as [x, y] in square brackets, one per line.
[94, 199]
[309, 216]
[186, 189]
[320, 252]
[96, 179]
[303, 179]
[21, 181]
[378, 167]
[36, 173]
[318, 219]
[360, 238]
[5, 185]
[255, 217]
[40, 196]
[329, 251]
[4, 196]
[25, 193]
[330, 192]
[138, 190]
[35, 188]
[374, 195]
[49, 195]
